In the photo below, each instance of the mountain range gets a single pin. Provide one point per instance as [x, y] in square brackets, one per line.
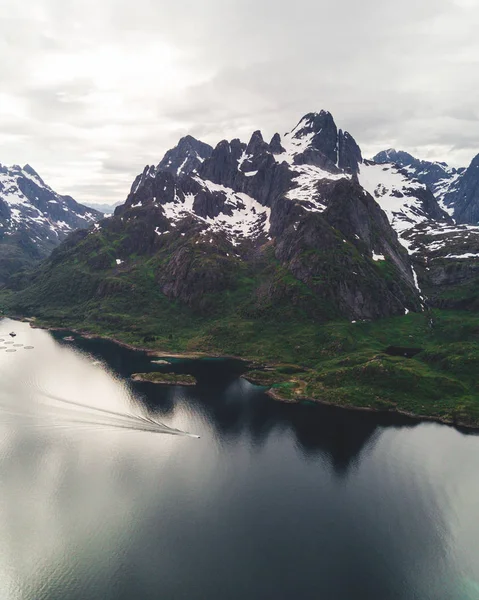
[361, 238]
[105, 209]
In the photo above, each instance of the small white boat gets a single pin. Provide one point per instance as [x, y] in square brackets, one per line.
[69, 339]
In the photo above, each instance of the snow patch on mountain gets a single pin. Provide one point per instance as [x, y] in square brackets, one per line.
[294, 145]
[436, 241]
[241, 216]
[394, 192]
[307, 191]
[466, 255]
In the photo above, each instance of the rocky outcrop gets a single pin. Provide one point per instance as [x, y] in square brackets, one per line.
[349, 153]
[222, 166]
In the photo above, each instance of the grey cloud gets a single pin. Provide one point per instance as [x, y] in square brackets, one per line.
[92, 91]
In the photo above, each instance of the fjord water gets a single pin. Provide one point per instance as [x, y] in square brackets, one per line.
[274, 501]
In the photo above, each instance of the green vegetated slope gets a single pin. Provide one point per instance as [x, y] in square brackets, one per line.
[264, 314]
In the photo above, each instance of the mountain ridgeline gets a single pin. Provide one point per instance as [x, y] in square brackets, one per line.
[302, 221]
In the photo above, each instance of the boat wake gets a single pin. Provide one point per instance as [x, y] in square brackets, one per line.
[64, 413]
[49, 410]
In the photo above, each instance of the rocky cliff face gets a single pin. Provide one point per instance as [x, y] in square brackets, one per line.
[33, 218]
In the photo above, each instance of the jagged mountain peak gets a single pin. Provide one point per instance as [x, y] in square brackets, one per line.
[186, 156]
[189, 139]
[275, 144]
[257, 144]
[405, 159]
[317, 141]
[301, 169]
[394, 156]
[312, 122]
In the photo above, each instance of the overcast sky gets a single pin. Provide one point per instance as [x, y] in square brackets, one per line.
[92, 90]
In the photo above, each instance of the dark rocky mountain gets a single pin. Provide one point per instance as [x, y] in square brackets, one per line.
[33, 218]
[324, 145]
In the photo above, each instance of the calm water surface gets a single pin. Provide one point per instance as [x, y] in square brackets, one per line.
[275, 501]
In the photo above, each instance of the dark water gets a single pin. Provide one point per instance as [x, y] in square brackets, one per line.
[275, 501]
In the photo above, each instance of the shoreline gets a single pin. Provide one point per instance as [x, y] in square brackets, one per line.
[157, 353]
[394, 411]
[270, 391]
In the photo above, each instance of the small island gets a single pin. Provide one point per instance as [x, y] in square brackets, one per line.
[265, 378]
[164, 378]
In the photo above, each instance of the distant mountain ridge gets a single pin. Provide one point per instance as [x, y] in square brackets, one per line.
[34, 219]
[106, 209]
[457, 190]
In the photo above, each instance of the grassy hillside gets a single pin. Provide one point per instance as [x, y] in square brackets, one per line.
[344, 363]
